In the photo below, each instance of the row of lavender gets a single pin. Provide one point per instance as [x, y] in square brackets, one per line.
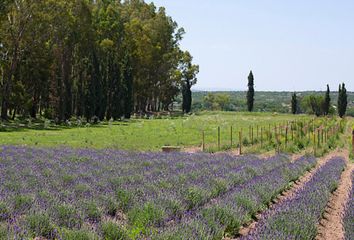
[53, 192]
[349, 214]
[297, 217]
[239, 206]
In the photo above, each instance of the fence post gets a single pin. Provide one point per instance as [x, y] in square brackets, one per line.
[353, 142]
[203, 141]
[252, 135]
[314, 142]
[219, 138]
[261, 137]
[240, 139]
[286, 137]
[231, 136]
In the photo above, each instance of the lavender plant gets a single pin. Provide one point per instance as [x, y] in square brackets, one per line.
[297, 217]
[348, 220]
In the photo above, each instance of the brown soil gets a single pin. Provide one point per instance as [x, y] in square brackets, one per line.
[330, 226]
[291, 192]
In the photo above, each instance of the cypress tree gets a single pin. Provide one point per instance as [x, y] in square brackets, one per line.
[342, 100]
[250, 93]
[327, 102]
[294, 103]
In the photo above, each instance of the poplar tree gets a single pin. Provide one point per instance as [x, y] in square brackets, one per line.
[250, 92]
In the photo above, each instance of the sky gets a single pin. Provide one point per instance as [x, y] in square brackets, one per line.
[290, 45]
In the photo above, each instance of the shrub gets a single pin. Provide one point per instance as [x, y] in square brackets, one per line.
[78, 235]
[67, 216]
[39, 225]
[4, 212]
[112, 231]
[124, 197]
[93, 213]
[22, 202]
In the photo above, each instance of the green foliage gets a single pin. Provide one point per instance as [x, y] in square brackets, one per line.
[22, 202]
[92, 59]
[78, 235]
[217, 101]
[124, 197]
[342, 100]
[194, 197]
[112, 231]
[93, 212]
[294, 104]
[39, 225]
[67, 216]
[250, 92]
[327, 102]
[147, 215]
[4, 212]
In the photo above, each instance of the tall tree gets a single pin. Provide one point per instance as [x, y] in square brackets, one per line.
[342, 100]
[250, 92]
[294, 103]
[189, 73]
[327, 102]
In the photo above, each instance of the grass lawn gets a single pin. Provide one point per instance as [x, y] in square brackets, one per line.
[141, 134]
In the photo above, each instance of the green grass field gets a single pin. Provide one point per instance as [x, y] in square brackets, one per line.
[141, 134]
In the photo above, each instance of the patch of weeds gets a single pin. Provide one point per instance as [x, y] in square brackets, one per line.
[93, 213]
[68, 179]
[124, 199]
[4, 212]
[39, 225]
[22, 203]
[78, 235]
[112, 231]
[194, 197]
[148, 215]
[219, 186]
[67, 216]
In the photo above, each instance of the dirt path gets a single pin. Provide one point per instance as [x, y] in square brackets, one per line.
[331, 226]
[292, 191]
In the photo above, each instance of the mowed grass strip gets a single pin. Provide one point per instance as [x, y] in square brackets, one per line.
[142, 134]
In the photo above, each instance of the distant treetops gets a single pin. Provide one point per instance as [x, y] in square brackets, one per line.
[321, 105]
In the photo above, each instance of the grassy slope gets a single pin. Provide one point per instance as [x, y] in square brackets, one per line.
[144, 134]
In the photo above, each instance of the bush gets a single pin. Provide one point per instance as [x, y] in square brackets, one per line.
[93, 213]
[78, 235]
[40, 226]
[67, 216]
[4, 212]
[112, 231]
[22, 203]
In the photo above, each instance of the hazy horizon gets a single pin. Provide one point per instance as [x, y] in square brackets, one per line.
[289, 45]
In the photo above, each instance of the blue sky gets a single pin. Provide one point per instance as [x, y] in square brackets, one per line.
[289, 45]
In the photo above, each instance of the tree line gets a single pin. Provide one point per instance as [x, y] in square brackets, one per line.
[94, 59]
[321, 105]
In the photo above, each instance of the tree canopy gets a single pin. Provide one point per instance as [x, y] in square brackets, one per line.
[102, 59]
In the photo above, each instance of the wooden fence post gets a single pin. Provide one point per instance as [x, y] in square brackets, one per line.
[231, 137]
[314, 142]
[219, 138]
[252, 135]
[203, 141]
[240, 139]
[353, 141]
[261, 137]
[286, 137]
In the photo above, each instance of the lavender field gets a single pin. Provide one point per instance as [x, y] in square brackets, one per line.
[349, 214]
[297, 217]
[106, 194]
